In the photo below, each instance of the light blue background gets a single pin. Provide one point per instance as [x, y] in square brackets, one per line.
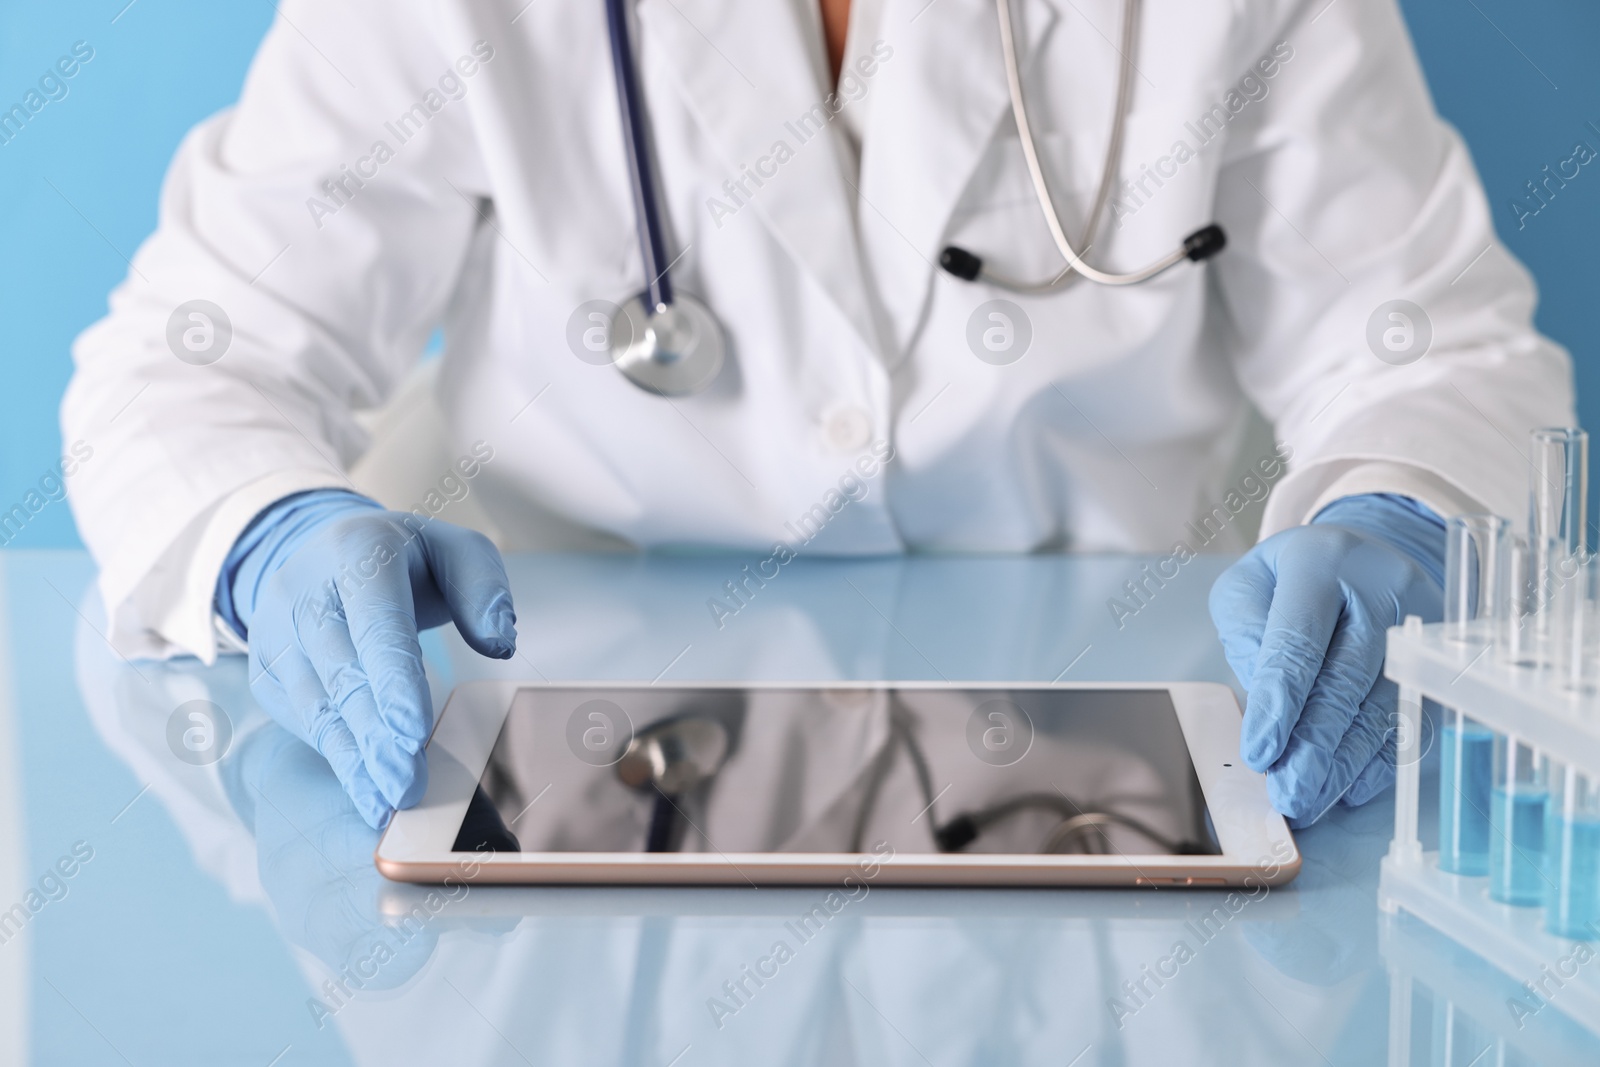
[79, 185]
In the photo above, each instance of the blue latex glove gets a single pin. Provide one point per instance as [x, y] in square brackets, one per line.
[331, 590]
[1302, 619]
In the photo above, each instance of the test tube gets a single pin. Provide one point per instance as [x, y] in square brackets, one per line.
[1572, 854]
[1558, 483]
[1558, 488]
[1517, 603]
[1466, 775]
[1517, 824]
[1472, 558]
[1473, 551]
[1578, 610]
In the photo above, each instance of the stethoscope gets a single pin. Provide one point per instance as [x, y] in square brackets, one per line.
[664, 341]
[670, 343]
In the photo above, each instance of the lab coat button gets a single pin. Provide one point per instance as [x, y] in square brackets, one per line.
[846, 428]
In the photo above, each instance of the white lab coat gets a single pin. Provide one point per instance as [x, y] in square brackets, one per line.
[509, 207]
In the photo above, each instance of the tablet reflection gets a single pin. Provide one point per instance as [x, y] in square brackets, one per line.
[502, 975]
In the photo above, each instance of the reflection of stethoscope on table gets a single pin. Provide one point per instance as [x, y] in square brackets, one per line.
[672, 758]
[668, 342]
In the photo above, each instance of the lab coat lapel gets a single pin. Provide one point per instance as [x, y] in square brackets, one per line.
[747, 72]
[938, 101]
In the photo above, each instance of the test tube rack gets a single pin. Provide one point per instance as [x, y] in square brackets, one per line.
[1531, 703]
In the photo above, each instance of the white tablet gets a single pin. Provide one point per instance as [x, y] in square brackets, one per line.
[903, 783]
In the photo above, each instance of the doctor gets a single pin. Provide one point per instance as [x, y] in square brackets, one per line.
[799, 171]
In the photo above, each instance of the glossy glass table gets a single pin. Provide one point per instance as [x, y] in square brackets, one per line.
[170, 909]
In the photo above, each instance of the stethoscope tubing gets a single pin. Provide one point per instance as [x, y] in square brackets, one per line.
[1030, 151]
[1197, 246]
[636, 142]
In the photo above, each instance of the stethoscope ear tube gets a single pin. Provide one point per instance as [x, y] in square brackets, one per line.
[1201, 244]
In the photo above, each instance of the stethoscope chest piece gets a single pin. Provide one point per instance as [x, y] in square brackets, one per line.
[675, 756]
[672, 759]
[674, 349]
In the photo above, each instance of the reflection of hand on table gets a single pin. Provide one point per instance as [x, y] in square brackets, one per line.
[315, 863]
[1333, 933]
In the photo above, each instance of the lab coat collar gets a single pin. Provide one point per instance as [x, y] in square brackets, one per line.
[749, 73]
[937, 104]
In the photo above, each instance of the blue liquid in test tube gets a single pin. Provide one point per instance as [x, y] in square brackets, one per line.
[1466, 755]
[1572, 872]
[1516, 844]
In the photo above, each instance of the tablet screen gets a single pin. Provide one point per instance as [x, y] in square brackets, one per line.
[1019, 771]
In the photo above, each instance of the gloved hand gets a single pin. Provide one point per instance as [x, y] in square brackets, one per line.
[331, 589]
[1302, 619]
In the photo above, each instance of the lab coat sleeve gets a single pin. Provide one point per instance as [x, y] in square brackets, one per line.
[1343, 190]
[327, 216]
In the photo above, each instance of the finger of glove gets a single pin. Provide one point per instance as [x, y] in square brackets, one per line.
[1240, 600]
[382, 620]
[1379, 773]
[324, 634]
[1374, 778]
[1366, 738]
[1306, 605]
[293, 695]
[471, 577]
[1338, 698]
